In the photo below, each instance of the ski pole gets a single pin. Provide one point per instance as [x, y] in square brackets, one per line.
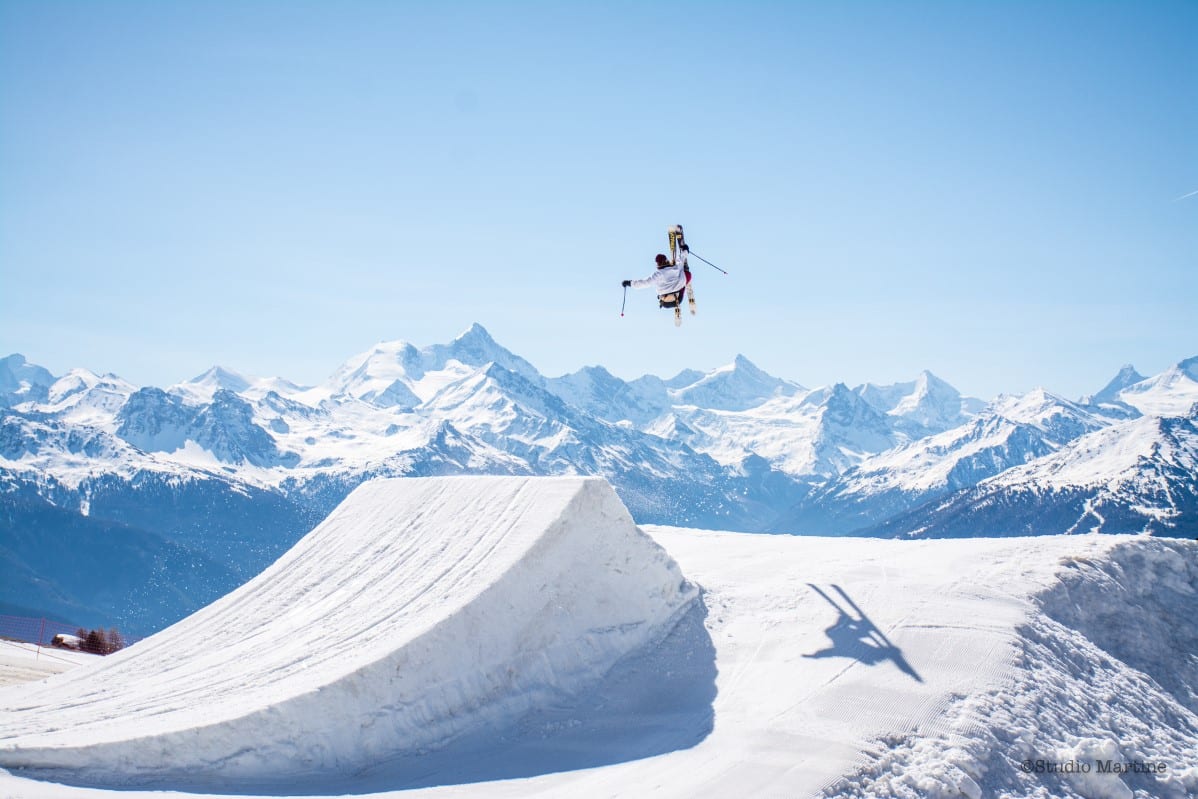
[704, 260]
[625, 302]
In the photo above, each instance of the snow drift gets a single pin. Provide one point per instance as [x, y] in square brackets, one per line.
[1098, 702]
[418, 611]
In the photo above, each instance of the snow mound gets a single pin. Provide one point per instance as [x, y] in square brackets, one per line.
[1100, 702]
[455, 604]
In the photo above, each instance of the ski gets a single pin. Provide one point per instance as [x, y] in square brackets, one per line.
[678, 253]
[677, 316]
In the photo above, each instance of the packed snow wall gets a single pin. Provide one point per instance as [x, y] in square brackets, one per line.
[419, 610]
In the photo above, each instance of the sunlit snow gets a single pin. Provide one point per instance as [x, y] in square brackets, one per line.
[519, 636]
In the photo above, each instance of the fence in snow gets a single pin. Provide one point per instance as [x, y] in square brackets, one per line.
[40, 631]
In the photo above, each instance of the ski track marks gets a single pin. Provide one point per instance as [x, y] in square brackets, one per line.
[419, 610]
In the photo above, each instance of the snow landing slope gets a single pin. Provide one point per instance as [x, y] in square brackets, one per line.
[420, 609]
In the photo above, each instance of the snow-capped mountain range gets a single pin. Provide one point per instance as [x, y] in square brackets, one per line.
[219, 474]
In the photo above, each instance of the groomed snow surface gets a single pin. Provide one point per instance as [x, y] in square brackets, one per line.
[503, 637]
[21, 662]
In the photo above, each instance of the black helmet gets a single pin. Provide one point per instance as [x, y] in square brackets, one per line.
[662, 260]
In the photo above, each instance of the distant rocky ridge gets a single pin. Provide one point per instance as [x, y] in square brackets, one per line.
[220, 474]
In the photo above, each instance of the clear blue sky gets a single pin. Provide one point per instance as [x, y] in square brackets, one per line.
[993, 191]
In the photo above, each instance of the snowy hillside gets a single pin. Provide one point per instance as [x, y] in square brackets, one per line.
[1172, 393]
[1138, 475]
[1009, 432]
[492, 637]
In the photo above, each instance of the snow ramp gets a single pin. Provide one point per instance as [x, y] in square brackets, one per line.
[419, 611]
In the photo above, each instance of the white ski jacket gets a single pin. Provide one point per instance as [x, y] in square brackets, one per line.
[666, 280]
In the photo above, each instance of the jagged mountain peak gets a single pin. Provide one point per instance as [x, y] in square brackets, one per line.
[835, 393]
[1170, 393]
[686, 377]
[1186, 369]
[16, 364]
[840, 401]
[925, 384]
[597, 372]
[202, 388]
[932, 405]
[1189, 367]
[741, 365]
[397, 374]
[1125, 378]
[219, 377]
[384, 357]
[1183, 372]
[589, 386]
[1128, 374]
[475, 336]
[489, 386]
[476, 348]
[744, 366]
[22, 381]
[157, 421]
[842, 428]
[13, 361]
[741, 362]
[929, 386]
[927, 381]
[841, 392]
[736, 386]
[603, 395]
[84, 388]
[381, 375]
[228, 398]
[1038, 397]
[1060, 420]
[396, 348]
[1034, 406]
[89, 378]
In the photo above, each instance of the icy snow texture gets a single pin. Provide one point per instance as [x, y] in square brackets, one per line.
[1104, 674]
[419, 610]
[22, 662]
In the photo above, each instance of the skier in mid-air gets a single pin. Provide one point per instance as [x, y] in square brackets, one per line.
[671, 278]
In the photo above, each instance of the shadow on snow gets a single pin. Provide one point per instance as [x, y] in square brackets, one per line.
[855, 636]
